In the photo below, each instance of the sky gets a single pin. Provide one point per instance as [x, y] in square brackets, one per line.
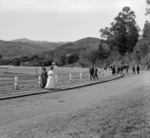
[62, 20]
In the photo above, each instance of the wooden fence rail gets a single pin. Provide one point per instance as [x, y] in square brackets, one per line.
[60, 79]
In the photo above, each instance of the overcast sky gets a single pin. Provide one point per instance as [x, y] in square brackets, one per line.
[62, 20]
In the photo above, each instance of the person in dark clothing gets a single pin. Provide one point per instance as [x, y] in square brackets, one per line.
[91, 71]
[95, 73]
[126, 68]
[121, 70]
[133, 69]
[113, 70]
[44, 78]
[138, 69]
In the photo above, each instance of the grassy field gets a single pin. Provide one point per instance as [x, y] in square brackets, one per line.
[28, 77]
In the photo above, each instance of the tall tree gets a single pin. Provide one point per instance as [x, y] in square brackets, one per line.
[90, 56]
[103, 50]
[61, 59]
[123, 33]
[146, 30]
[148, 8]
[16, 62]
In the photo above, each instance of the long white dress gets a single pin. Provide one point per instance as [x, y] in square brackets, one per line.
[50, 80]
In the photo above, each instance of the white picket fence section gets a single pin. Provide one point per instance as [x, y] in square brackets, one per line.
[60, 79]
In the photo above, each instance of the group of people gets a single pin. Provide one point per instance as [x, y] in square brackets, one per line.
[136, 70]
[119, 69]
[47, 79]
[93, 71]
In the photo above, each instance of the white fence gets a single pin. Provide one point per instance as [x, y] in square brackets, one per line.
[60, 79]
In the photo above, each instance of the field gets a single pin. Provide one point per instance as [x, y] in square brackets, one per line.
[28, 77]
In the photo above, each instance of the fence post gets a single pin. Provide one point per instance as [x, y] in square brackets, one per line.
[70, 78]
[80, 76]
[39, 81]
[16, 82]
[56, 81]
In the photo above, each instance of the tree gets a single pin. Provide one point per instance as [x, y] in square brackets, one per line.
[142, 49]
[24, 58]
[34, 57]
[61, 59]
[83, 63]
[72, 58]
[146, 30]
[103, 50]
[108, 35]
[16, 62]
[123, 33]
[90, 56]
[148, 8]
[49, 55]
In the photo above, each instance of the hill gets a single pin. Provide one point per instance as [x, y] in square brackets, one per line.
[25, 47]
[78, 46]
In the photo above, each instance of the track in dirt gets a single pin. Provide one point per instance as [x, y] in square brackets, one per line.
[96, 111]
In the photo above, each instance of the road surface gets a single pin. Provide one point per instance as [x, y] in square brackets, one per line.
[118, 108]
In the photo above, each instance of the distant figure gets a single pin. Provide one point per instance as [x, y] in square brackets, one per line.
[127, 69]
[51, 80]
[138, 69]
[43, 78]
[118, 70]
[91, 72]
[133, 69]
[113, 70]
[95, 73]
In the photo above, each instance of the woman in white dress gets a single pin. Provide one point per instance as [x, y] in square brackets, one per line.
[51, 80]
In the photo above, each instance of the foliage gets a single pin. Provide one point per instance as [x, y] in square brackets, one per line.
[147, 9]
[146, 30]
[83, 63]
[44, 63]
[90, 56]
[148, 59]
[61, 59]
[24, 58]
[123, 33]
[142, 49]
[34, 57]
[1, 56]
[103, 50]
[72, 58]
[16, 62]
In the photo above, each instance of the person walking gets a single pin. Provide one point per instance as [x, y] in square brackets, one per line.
[91, 71]
[43, 78]
[51, 80]
[113, 70]
[138, 69]
[133, 69]
[95, 73]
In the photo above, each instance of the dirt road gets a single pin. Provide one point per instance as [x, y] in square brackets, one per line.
[117, 109]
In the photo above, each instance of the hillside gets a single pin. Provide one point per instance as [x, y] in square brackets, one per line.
[25, 47]
[78, 46]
